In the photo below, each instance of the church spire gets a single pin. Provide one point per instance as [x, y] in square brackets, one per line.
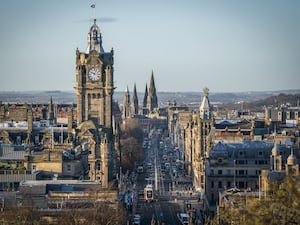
[51, 111]
[126, 103]
[145, 97]
[135, 102]
[152, 98]
[152, 89]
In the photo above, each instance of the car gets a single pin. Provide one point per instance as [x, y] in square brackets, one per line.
[167, 165]
[136, 219]
[184, 218]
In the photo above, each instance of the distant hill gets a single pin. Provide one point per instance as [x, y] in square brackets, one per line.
[276, 101]
[234, 100]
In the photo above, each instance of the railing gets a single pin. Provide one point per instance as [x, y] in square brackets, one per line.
[10, 176]
[15, 172]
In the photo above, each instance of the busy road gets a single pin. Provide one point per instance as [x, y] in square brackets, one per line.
[158, 196]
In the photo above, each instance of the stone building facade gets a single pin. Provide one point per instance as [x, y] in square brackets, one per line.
[198, 141]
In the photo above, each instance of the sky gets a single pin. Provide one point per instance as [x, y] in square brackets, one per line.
[225, 45]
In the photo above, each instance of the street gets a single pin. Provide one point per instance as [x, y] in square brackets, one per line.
[162, 170]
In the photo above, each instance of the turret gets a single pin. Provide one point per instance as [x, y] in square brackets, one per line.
[276, 160]
[94, 39]
[205, 107]
[292, 166]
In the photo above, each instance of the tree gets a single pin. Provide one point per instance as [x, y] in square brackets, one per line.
[131, 144]
[101, 214]
[22, 216]
[280, 206]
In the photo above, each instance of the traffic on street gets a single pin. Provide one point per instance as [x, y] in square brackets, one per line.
[161, 192]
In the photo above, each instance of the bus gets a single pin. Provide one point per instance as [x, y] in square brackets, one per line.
[140, 169]
[148, 193]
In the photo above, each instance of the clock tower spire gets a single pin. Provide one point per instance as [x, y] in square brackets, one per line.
[94, 39]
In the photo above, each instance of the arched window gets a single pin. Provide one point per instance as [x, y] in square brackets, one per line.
[95, 35]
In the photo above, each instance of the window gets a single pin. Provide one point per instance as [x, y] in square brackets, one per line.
[241, 172]
[18, 140]
[241, 184]
[261, 162]
[220, 184]
[241, 162]
[292, 115]
[149, 194]
[98, 166]
[95, 35]
[212, 172]
[212, 184]
[219, 172]
[228, 184]
[68, 167]
[228, 172]
[36, 139]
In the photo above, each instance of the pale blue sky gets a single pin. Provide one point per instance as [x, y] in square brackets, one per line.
[227, 46]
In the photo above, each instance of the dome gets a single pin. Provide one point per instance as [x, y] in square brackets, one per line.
[292, 160]
[87, 125]
[275, 149]
[94, 27]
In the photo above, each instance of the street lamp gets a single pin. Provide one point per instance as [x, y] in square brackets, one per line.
[234, 174]
[2, 208]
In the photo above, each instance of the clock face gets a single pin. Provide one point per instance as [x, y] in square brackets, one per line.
[94, 74]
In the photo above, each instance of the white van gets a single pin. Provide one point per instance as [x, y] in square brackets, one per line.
[167, 165]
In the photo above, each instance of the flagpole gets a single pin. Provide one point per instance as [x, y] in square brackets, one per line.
[94, 7]
[95, 12]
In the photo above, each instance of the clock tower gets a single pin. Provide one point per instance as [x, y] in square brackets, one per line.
[94, 92]
[94, 81]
